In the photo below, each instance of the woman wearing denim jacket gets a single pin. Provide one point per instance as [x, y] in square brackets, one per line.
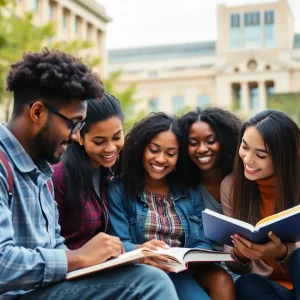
[149, 207]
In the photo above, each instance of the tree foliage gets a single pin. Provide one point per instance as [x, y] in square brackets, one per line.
[19, 34]
[126, 97]
[288, 103]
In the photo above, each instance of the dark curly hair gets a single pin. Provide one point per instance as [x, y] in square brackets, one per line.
[52, 75]
[226, 127]
[131, 166]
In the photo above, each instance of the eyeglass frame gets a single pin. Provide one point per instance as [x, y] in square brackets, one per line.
[73, 125]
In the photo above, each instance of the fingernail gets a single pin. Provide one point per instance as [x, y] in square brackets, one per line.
[232, 241]
[167, 247]
[231, 236]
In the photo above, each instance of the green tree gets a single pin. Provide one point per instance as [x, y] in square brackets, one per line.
[19, 34]
[288, 103]
[126, 97]
[75, 48]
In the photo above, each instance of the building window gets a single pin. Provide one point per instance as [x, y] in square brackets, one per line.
[153, 105]
[178, 104]
[234, 20]
[76, 25]
[254, 97]
[235, 32]
[98, 37]
[236, 91]
[88, 31]
[252, 30]
[270, 88]
[64, 18]
[269, 29]
[269, 17]
[235, 38]
[203, 101]
[50, 11]
[35, 5]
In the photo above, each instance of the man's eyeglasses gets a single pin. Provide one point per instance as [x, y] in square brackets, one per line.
[74, 126]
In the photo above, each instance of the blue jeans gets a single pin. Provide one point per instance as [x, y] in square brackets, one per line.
[128, 283]
[253, 286]
[187, 287]
[234, 276]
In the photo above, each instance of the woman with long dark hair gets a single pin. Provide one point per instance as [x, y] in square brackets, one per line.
[80, 179]
[265, 181]
[149, 205]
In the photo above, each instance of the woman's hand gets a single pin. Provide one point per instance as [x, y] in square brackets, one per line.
[274, 248]
[157, 260]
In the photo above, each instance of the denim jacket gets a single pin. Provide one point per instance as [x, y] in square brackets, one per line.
[128, 216]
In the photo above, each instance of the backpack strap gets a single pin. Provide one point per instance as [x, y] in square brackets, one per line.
[50, 186]
[9, 176]
[10, 180]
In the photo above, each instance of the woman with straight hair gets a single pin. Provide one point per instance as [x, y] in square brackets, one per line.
[81, 178]
[265, 181]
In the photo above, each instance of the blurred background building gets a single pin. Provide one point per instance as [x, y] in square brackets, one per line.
[256, 54]
[75, 26]
[74, 19]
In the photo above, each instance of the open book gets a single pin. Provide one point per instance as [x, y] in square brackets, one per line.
[180, 258]
[286, 225]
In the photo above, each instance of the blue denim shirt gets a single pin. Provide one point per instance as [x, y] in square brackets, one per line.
[128, 216]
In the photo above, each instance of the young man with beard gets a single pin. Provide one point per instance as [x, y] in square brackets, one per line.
[50, 91]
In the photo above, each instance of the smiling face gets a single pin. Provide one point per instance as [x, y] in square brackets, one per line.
[103, 142]
[204, 149]
[161, 155]
[254, 154]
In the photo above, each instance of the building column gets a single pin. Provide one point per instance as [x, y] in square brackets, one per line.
[262, 95]
[44, 10]
[84, 30]
[57, 20]
[245, 98]
[71, 29]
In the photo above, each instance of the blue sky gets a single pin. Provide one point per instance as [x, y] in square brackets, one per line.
[153, 22]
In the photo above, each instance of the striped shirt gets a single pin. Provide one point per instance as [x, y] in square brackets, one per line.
[162, 221]
[32, 252]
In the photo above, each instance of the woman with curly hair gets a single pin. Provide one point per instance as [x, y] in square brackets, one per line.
[51, 91]
[210, 142]
[149, 205]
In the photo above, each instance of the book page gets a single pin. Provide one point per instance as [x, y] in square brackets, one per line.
[128, 257]
[229, 219]
[277, 217]
[174, 253]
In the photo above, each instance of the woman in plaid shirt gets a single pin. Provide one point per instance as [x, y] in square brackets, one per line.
[149, 206]
[80, 179]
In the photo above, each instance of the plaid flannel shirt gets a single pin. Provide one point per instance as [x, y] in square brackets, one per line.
[81, 223]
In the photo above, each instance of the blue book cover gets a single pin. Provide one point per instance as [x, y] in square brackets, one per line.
[219, 228]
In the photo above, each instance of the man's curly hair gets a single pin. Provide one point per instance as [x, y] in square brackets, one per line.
[53, 75]
[226, 127]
